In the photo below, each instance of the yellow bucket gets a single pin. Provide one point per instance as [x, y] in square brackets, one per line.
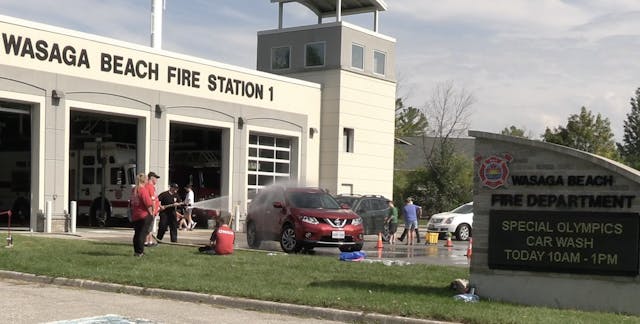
[432, 237]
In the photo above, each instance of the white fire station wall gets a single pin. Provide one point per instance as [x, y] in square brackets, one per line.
[102, 75]
[367, 106]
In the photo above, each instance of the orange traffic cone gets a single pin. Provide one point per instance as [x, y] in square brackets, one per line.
[449, 243]
[379, 245]
[470, 248]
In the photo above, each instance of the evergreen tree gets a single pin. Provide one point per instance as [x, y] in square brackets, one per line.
[630, 147]
[410, 121]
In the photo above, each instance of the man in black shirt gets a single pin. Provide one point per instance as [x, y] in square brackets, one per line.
[169, 200]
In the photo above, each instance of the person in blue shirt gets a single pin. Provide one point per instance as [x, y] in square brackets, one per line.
[411, 214]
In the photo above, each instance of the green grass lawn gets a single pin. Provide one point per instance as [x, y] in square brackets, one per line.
[419, 291]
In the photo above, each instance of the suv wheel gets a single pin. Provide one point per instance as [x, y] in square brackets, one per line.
[253, 238]
[288, 241]
[463, 232]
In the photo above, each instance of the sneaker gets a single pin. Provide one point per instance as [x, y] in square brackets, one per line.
[193, 225]
[138, 255]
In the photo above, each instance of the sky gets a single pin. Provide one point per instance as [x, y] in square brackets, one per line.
[527, 63]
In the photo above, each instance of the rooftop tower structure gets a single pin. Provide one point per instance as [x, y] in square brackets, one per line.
[356, 69]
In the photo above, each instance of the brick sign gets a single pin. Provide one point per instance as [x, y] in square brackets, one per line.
[601, 243]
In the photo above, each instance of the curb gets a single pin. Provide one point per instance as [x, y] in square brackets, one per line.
[231, 302]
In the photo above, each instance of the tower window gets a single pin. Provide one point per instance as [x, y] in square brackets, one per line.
[314, 54]
[357, 56]
[280, 58]
[347, 136]
[379, 60]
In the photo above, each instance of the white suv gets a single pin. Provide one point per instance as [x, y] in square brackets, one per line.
[458, 221]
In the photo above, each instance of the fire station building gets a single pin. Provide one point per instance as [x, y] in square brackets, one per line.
[81, 114]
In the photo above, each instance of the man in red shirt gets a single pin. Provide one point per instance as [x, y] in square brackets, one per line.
[151, 188]
[222, 238]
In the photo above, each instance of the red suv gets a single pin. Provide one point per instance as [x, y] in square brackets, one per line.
[302, 218]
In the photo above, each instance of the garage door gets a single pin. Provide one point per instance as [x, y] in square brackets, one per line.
[269, 161]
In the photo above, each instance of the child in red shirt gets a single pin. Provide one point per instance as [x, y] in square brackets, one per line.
[222, 238]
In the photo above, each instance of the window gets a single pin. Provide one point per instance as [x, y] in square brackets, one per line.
[379, 59]
[269, 161]
[380, 204]
[88, 160]
[98, 175]
[314, 54]
[88, 175]
[116, 175]
[357, 56]
[347, 135]
[280, 58]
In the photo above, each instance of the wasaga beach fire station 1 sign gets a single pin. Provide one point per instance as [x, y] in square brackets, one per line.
[562, 226]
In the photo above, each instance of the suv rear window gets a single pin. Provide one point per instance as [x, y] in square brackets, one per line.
[379, 204]
[346, 200]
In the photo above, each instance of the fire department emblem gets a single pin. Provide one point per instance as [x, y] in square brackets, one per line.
[493, 170]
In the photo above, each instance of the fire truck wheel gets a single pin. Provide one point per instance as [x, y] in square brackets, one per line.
[100, 216]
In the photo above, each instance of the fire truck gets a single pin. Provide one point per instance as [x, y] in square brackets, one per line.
[101, 176]
[103, 196]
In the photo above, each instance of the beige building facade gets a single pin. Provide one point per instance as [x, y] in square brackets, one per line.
[77, 92]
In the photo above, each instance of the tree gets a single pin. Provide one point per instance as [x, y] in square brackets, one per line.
[630, 147]
[446, 179]
[410, 121]
[586, 132]
[515, 131]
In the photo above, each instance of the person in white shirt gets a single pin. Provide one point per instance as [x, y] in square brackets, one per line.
[188, 201]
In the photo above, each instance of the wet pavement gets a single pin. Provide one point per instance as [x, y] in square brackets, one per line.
[422, 253]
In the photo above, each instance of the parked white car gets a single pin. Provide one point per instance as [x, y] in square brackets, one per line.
[458, 221]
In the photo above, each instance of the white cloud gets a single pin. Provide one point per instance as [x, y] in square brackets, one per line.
[528, 62]
[539, 13]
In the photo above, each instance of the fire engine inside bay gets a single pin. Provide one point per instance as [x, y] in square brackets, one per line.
[81, 115]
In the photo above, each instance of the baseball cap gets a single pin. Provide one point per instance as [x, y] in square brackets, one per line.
[153, 174]
[174, 185]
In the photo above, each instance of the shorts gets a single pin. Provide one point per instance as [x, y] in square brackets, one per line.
[207, 250]
[411, 224]
[393, 227]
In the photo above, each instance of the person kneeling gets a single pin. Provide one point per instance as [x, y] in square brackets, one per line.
[222, 238]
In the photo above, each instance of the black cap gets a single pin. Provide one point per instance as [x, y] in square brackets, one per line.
[175, 185]
[188, 185]
[153, 174]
